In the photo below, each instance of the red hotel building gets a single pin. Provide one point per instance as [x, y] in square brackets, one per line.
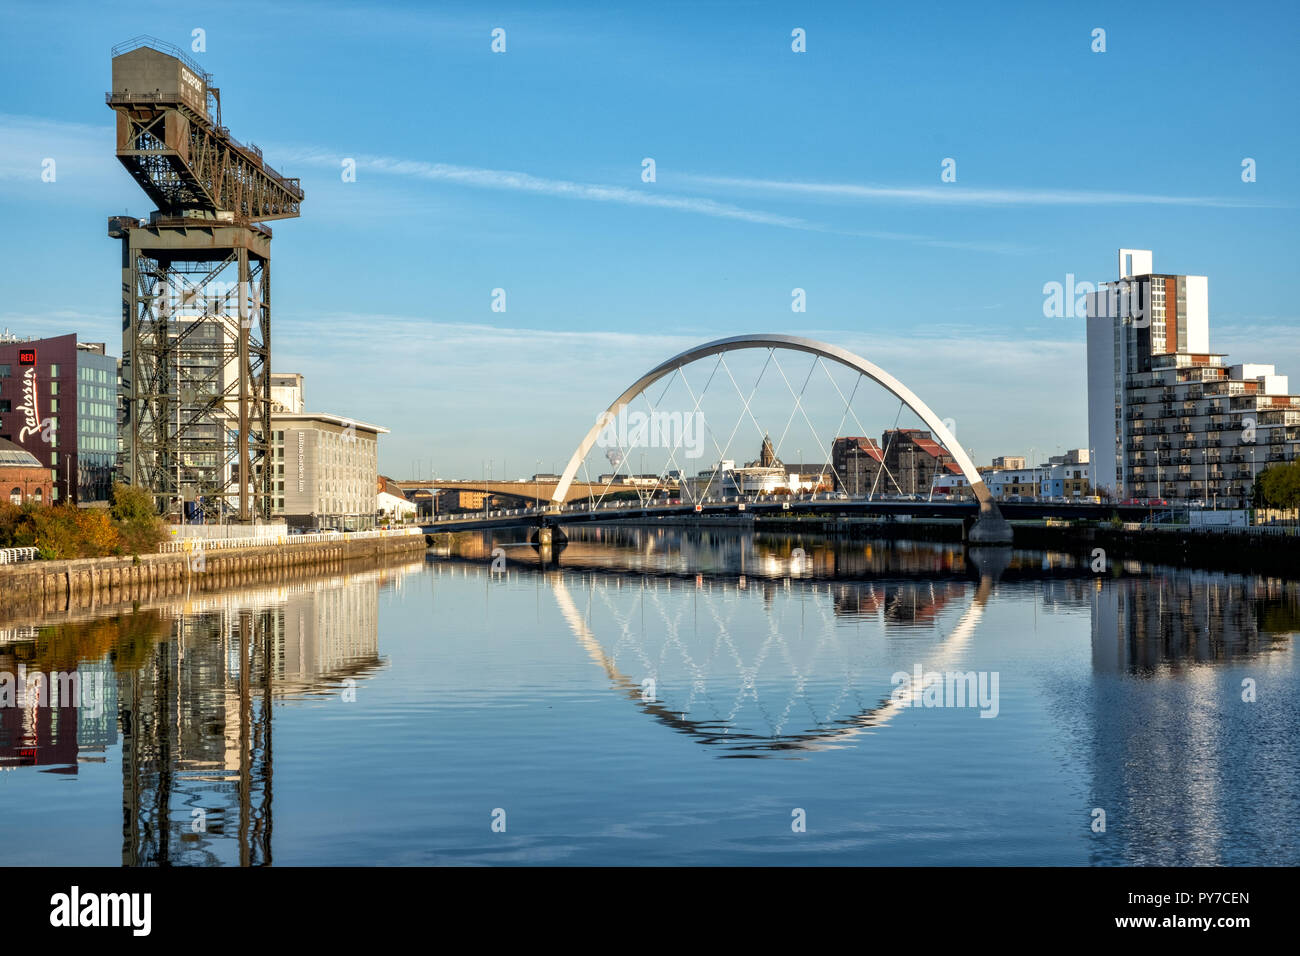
[58, 400]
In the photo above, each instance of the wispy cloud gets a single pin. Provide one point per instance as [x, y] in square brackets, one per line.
[84, 153]
[526, 182]
[955, 195]
[78, 149]
[486, 178]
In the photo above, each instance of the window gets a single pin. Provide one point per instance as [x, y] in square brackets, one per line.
[4, 405]
[4, 371]
[54, 405]
[15, 496]
[38, 496]
[54, 371]
[54, 388]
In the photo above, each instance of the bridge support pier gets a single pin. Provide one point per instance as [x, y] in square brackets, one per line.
[990, 527]
[546, 535]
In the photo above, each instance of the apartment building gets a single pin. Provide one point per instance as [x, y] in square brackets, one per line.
[1167, 417]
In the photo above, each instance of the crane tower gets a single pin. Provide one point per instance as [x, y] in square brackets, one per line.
[196, 290]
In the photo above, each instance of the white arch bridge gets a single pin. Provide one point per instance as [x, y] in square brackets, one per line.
[565, 505]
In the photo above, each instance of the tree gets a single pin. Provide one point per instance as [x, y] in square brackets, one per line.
[137, 522]
[66, 531]
[1278, 486]
[131, 504]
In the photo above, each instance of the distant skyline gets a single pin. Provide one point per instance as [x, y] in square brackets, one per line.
[774, 170]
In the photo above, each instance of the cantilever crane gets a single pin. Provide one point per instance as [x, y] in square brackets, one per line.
[196, 308]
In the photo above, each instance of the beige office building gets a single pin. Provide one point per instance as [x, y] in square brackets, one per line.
[326, 470]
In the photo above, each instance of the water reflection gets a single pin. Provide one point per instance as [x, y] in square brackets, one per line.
[736, 645]
[709, 679]
[739, 552]
[1169, 623]
[190, 687]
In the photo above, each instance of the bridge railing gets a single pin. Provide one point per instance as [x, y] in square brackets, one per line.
[15, 555]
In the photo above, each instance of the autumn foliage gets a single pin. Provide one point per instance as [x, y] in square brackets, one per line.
[66, 531]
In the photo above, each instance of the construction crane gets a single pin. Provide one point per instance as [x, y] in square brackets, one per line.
[195, 427]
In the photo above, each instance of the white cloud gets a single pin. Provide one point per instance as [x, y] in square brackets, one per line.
[526, 182]
[499, 179]
[955, 195]
[79, 150]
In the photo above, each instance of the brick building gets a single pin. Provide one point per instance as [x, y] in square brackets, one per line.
[58, 401]
[22, 477]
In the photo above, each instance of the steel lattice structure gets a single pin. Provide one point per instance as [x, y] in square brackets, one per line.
[196, 303]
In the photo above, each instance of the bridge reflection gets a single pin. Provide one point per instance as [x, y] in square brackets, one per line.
[735, 642]
[755, 682]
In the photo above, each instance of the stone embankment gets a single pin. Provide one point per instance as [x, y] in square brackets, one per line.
[33, 589]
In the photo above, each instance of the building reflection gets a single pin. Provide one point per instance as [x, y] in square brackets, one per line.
[1171, 658]
[191, 687]
[1173, 621]
[65, 713]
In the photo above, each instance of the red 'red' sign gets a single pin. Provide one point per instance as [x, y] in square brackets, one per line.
[27, 356]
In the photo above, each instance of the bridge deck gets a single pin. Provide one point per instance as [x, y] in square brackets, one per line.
[632, 510]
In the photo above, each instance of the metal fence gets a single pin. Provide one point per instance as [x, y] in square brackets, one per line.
[231, 544]
[1256, 529]
[14, 555]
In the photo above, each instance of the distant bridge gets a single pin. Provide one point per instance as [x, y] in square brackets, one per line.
[771, 506]
[525, 489]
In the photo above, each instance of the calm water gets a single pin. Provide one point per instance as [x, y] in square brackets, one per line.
[665, 698]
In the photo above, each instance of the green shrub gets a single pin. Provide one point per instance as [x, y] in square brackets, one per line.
[138, 524]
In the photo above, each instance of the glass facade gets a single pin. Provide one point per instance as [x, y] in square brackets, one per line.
[96, 425]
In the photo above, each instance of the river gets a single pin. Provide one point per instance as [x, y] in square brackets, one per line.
[661, 696]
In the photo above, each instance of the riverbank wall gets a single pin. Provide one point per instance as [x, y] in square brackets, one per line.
[1237, 552]
[34, 589]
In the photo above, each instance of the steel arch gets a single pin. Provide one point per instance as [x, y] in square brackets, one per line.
[798, 344]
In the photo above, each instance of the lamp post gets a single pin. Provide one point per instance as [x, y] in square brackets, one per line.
[1253, 476]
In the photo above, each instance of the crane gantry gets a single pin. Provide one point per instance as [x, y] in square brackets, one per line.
[196, 280]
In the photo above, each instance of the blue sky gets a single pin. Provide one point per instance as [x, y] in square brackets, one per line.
[775, 170]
